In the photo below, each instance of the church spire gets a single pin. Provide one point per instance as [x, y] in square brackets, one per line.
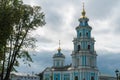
[83, 19]
[59, 49]
[83, 12]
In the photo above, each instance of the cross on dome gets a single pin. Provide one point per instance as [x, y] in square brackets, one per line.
[59, 49]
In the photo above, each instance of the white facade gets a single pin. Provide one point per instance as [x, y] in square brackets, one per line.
[23, 76]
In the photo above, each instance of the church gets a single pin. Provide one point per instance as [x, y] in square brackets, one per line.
[84, 58]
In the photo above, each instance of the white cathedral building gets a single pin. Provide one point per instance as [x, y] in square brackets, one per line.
[84, 57]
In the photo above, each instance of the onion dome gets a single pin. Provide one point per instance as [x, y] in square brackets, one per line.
[83, 12]
[59, 54]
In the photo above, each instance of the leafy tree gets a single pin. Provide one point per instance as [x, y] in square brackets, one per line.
[41, 76]
[7, 20]
[17, 21]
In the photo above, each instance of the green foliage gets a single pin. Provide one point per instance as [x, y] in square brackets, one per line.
[17, 21]
[0, 66]
[8, 18]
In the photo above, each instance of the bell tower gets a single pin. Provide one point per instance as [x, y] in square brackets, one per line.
[84, 56]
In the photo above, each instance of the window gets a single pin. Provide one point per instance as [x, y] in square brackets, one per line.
[80, 34]
[66, 77]
[76, 77]
[92, 78]
[80, 21]
[88, 47]
[57, 63]
[78, 47]
[87, 34]
[86, 23]
[78, 61]
[83, 23]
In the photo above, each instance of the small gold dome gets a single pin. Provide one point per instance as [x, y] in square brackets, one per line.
[59, 49]
[83, 12]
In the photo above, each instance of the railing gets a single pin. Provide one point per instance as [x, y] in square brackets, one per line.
[75, 38]
[84, 52]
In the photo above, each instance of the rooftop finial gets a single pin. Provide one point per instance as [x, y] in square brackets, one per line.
[83, 5]
[83, 12]
[59, 43]
[59, 49]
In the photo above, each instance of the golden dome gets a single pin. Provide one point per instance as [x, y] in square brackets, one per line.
[83, 12]
[59, 49]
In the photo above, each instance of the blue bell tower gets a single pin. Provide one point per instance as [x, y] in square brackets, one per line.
[84, 57]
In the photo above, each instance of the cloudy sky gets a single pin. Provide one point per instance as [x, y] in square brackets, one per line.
[62, 18]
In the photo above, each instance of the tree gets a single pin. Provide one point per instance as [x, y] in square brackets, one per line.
[21, 20]
[41, 75]
[8, 9]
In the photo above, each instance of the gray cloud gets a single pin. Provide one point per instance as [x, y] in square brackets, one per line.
[115, 25]
[42, 60]
[107, 63]
[101, 9]
[104, 18]
[42, 39]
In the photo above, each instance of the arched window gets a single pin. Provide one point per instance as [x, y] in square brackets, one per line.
[86, 23]
[80, 34]
[76, 77]
[92, 78]
[57, 63]
[78, 47]
[87, 34]
[80, 23]
[88, 47]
